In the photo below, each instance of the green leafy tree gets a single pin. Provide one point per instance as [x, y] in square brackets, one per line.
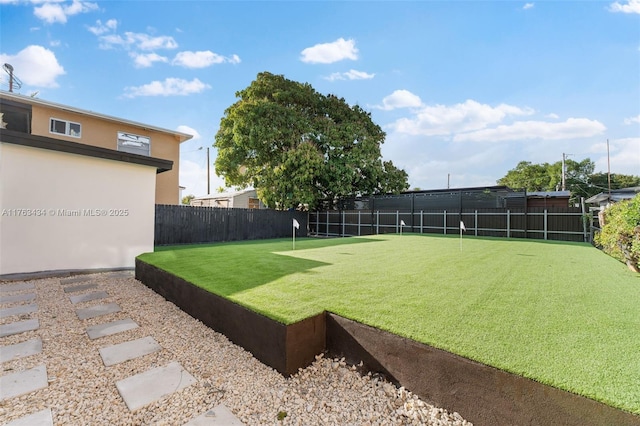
[599, 182]
[186, 200]
[620, 234]
[532, 177]
[580, 178]
[295, 145]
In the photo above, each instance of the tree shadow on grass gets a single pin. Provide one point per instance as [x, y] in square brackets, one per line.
[233, 267]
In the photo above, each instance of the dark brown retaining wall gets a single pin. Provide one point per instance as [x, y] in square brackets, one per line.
[285, 348]
[481, 394]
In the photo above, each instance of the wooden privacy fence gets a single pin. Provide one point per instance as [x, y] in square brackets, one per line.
[189, 224]
[565, 224]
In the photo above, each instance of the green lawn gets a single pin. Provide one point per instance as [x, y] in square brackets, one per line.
[563, 314]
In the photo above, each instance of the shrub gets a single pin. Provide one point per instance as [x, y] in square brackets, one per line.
[620, 234]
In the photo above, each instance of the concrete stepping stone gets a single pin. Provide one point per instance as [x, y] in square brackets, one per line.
[97, 310]
[115, 354]
[107, 329]
[96, 295]
[218, 416]
[16, 384]
[18, 310]
[8, 288]
[145, 388]
[25, 297]
[20, 350]
[40, 418]
[18, 327]
[74, 280]
[81, 287]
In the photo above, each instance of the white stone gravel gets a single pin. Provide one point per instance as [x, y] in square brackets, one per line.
[82, 390]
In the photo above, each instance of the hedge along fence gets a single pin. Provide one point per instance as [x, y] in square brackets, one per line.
[190, 224]
[564, 224]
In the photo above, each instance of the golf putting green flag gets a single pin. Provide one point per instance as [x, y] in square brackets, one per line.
[462, 228]
[402, 223]
[296, 225]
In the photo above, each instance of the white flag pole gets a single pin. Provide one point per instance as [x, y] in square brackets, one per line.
[296, 225]
[402, 225]
[462, 228]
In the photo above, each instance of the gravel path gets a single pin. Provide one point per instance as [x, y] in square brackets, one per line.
[82, 390]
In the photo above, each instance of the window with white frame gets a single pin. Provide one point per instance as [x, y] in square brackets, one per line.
[64, 127]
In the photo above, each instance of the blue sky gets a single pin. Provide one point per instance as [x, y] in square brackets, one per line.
[462, 89]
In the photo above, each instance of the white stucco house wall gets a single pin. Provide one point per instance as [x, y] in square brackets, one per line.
[73, 206]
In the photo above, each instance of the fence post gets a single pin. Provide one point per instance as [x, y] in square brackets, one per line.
[343, 219]
[327, 229]
[545, 224]
[377, 222]
[508, 223]
[475, 215]
[584, 219]
[397, 220]
[421, 219]
[445, 222]
[359, 222]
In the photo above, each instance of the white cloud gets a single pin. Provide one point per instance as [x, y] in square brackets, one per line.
[168, 87]
[632, 120]
[350, 75]
[528, 6]
[139, 40]
[51, 12]
[400, 99]
[327, 53]
[467, 164]
[202, 59]
[193, 175]
[101, 28]
[572, 128]
[624, 156]
[145, 60]
[631, 6]
[552, 116]
[442, 120]
[35, 66]
[189, 131]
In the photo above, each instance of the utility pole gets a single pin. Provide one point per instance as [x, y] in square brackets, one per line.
[608, 171]
[564, 170]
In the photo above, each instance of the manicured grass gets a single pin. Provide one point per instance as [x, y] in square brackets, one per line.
[563, 314]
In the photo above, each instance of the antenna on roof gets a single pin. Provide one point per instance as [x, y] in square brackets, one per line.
[13, 80]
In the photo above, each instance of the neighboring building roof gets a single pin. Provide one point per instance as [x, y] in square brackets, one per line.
[468, 189]
[549, 194]
[181, 137]
[616, 195]
[224, 195]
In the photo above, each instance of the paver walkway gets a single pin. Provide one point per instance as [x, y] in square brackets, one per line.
[32, 379]
[137, 391]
